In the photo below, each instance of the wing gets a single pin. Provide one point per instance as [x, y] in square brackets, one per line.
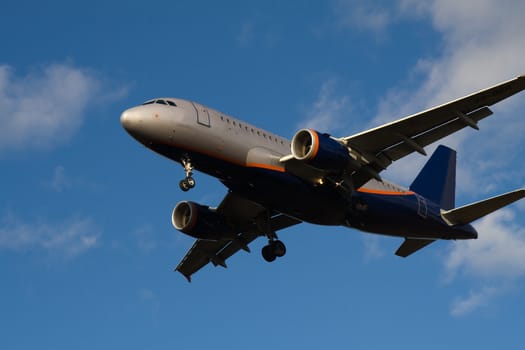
[379, 147]
[243, 213]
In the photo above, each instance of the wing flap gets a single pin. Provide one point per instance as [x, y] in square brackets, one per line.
[402, 149]
[197, 257]
[203, 252]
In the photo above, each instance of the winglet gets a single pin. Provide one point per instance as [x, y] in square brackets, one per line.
[187, 277]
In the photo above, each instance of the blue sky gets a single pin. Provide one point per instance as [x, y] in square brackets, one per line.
[86, 244]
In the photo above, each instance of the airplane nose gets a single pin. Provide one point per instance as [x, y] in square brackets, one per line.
[129, 120]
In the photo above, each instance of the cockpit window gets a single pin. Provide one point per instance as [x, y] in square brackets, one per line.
[160, 102]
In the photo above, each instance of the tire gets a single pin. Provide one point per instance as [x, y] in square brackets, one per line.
[183, 184]
[268, 254]
[191, 182]
[279, 249]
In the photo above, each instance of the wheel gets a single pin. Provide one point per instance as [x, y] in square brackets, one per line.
[183, 184]
[279, 249]
[190, 181]
[268, 254]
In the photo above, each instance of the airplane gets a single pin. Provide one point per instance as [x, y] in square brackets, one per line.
[273, 183]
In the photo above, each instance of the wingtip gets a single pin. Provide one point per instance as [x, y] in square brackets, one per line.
[187, 277]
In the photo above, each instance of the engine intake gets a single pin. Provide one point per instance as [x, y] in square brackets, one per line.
[321, 151]
[200, 221]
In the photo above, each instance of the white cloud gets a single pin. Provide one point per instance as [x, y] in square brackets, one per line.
[499, 253]
[43, 108]
[149, 298]
[372, 247]
[329, 110]
[69, 238]
[481, 44]
[145, 239]
[474, 301]
[496, 258]
[363, 15]
[59, 181]
[246, 34]
[62, 180]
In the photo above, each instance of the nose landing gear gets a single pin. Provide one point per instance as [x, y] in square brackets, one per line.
[189, 182]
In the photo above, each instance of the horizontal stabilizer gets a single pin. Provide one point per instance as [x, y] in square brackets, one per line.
[412, 245]
[468, 213]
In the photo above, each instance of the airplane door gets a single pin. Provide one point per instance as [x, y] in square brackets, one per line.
[203, 115]
[422, 206]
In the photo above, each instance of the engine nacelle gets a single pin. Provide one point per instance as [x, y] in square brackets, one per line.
[200, 221]
[321, 151]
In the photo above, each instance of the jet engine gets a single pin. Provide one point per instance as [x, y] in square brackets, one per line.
[321, 151]
[200, 221]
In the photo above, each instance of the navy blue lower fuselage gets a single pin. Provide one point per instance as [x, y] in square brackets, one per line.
[388, 213]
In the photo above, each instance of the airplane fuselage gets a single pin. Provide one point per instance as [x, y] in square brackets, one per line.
[246, 159]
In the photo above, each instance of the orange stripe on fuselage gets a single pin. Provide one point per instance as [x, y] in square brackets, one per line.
[385, 192]
[265, 166]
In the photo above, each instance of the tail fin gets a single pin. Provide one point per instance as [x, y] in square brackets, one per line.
[468, 213]
[437, 180]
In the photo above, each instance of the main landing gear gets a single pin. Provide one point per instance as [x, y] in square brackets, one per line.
[189, 182]
[273, 250]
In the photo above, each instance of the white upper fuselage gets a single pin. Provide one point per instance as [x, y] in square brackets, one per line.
[194, 127]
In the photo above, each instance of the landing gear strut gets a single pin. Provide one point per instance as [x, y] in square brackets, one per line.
[189, 182]
[275, 248]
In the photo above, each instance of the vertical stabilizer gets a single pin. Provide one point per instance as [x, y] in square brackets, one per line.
[437, 180]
